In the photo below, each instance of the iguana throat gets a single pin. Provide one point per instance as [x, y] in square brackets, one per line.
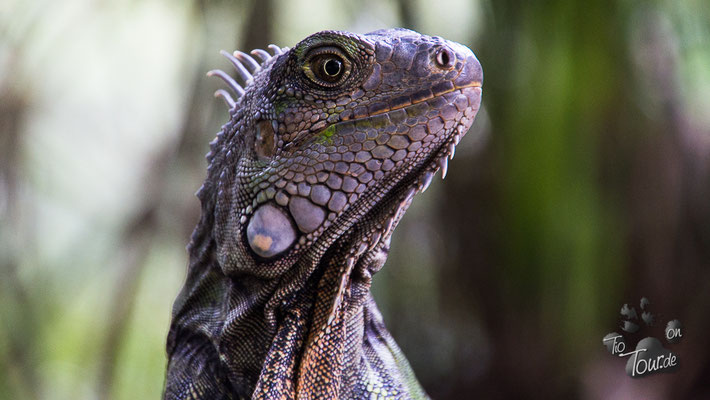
[326, 145]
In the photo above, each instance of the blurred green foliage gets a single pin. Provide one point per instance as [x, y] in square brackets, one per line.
[583, 184]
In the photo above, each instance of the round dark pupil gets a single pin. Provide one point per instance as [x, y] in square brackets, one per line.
[332, 67]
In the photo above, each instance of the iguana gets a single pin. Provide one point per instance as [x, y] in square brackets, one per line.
[326, 145]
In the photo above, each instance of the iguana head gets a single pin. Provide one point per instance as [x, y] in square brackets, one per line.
[339, 131]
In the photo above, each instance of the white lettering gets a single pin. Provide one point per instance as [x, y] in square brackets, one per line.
[673, 333]
[616, 347]
[643, 366]
[635, 364]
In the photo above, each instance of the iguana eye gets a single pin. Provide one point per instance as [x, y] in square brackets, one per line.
[327, 66]
[332, 68]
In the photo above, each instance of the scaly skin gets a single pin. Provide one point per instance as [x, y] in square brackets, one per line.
[319, 161]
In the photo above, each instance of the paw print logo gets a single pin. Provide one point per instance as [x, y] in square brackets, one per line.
[649, 355]
[630, 319]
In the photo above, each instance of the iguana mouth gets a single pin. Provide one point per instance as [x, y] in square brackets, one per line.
[398, 103]
[408, 100]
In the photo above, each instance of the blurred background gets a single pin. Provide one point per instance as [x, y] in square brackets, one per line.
[583, 185]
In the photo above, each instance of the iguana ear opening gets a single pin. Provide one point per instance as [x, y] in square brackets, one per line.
[265, 141]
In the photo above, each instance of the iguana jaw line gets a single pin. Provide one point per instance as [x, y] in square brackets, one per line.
[420, 175]
[416, 181]
[399, 198]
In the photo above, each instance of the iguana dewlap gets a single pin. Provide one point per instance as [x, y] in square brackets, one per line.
[326, 145]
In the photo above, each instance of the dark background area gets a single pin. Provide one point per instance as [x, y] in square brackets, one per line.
[584, 184]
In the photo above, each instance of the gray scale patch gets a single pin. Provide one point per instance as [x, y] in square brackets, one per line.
[398, 116]
[366, 177]
[449, 112]
[291, 188]
[399, 155]
[349, 184]
[281, 198]
[382, 152]
[320, 194]
[435, 125]
[337, 202]
[334, 181]
[461, 102]
[432, 113]
[342, 167]
[382, 139]
[356, 169]
[373, 165]
[307, 215]
[363, 156]
[304, 189]
[398, 142]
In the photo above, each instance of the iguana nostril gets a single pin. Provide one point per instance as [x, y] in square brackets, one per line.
[445, 58]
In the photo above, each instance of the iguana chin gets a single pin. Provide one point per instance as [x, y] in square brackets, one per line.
[325, 147]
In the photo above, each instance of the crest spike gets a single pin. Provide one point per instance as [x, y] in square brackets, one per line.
[228, 80]
[247, 61]
[276, 49]
[241, 70]
[226, 97]
[262, 54]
